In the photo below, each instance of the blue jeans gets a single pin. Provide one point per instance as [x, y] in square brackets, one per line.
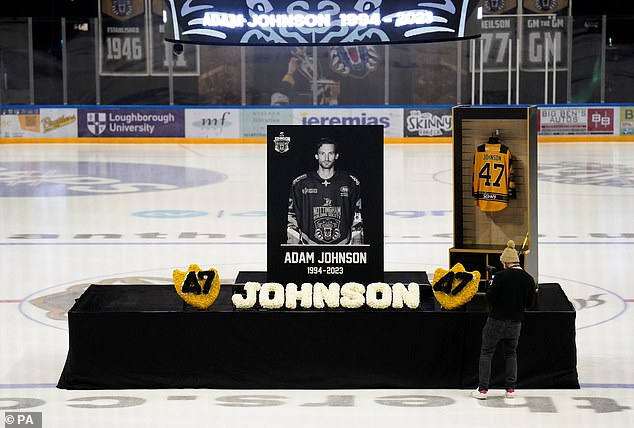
[507, 332]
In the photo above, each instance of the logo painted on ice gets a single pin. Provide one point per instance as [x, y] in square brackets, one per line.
[587, 174]
[44, 179]
[169, 214]
[50, 306]
[594, 305]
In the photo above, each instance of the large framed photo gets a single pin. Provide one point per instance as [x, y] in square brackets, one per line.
[325, 203]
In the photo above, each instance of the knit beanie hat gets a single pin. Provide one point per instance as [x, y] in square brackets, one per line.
[509, 255]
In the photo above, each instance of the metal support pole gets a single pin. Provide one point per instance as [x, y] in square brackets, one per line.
[459, 74]
[31, 63]
[569, 56]
[472, 69]
[95, 25]
[243, 76]
[510, 73]
[517, 72]
[546, 72]
[481, 67]
[170, 73]
[386, 91]
[554, 73]
[315, 76]
[64, 63]
[4, 84]
[603, 48]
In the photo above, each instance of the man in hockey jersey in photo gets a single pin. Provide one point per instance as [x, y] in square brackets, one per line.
[324, 206]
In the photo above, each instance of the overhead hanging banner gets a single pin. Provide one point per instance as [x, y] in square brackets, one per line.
[310, 22]
[499, 33]
[545, 26]
[123, 48]
[184, 64]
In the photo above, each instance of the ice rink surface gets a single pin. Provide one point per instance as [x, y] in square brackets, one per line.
[74, 215]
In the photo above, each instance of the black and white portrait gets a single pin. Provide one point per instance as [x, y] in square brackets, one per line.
[325, 202]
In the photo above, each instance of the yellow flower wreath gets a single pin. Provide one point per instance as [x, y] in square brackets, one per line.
[196, 287]
[455, 287]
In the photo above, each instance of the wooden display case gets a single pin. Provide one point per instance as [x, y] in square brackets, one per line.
[485, 259]
[479, 236]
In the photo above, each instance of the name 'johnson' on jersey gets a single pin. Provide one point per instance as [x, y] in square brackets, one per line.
[325, 211]
[493, 178]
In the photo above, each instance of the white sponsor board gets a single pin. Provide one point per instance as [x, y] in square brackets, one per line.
[253, 121]
[391, 119]
[427, 122]
[212, 123]
[20, 125]
[595, 120]
[39, 123]
[563, 120]
[58, 122]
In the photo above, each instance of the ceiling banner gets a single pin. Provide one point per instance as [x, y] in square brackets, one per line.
[322, 22]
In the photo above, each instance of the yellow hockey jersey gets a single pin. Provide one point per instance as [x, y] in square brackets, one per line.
[493, 179]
